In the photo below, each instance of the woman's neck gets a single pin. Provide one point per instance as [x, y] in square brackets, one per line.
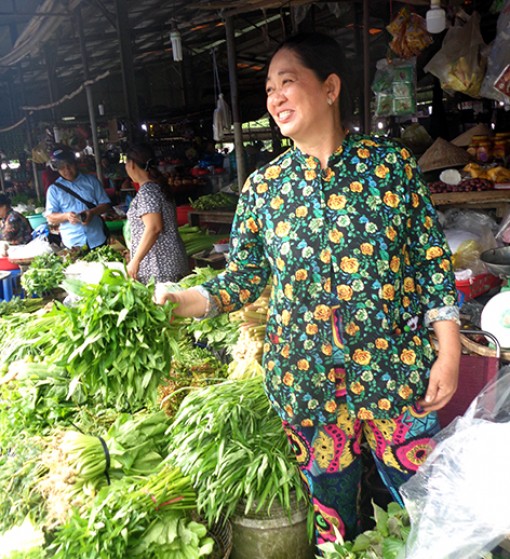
[325, 145]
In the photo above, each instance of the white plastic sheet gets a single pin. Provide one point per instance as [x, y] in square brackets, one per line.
[459, 501]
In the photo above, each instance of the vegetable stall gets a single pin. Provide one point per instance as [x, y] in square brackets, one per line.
[120, 432]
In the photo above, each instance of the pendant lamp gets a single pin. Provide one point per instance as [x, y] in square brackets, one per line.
[435, 17]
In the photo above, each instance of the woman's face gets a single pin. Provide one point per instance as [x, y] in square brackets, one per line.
[3, 211]
[296, 98]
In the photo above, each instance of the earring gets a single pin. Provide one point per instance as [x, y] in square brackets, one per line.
[330, 101]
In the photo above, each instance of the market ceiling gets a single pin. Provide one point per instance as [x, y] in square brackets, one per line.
[41, 61]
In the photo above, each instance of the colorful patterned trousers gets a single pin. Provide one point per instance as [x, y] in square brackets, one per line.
[329, 457]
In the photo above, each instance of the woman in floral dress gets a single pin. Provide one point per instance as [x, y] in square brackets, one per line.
[342, 226]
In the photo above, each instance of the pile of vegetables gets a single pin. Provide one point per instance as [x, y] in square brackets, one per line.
[218, 200]
[45, 273]
[115, 343]
[386, 541]
[136, 517]
[229, 440]
[196, 239]
[80, 464]
[19, 305]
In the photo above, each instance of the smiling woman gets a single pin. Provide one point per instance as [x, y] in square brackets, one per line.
[344, 226]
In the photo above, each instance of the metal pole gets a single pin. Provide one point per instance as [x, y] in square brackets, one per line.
[366, 68]
[2, 180]
[88, 93]
[34, 165]
[234, 99]
[128, 72]
[30, 138]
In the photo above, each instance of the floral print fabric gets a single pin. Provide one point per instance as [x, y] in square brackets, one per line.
[360, 239]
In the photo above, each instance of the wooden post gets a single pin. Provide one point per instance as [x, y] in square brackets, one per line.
[234, 100]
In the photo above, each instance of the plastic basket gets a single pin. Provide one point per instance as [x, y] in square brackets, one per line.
[476, 285]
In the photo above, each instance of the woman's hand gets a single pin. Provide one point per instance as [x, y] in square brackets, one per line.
[444, 373]
[190, 302]
[132, 269]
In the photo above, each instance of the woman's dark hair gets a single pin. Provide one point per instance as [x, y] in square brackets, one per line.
[324, 56]
[4, 200]
[143, 156]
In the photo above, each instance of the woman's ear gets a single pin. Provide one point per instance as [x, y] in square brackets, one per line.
[333, 85]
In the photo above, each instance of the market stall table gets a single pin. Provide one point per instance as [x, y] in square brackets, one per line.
[496, 199]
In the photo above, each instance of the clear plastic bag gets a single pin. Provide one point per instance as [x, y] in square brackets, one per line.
[461, 62]
[459, 500]
[499, 56]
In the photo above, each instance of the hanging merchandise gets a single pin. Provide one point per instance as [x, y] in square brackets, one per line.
[394, 86]
[409, 33]
[460, 63]
[496, 84]
[222, 117]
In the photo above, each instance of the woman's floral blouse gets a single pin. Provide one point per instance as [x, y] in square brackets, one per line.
[356, 259]
[15, 229]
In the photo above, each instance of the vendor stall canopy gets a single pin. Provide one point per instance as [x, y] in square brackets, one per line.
[42, 58]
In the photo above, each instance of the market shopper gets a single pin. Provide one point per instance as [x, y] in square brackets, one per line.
[75, 202]
[14, 227]
[157, 250]
[343, 225]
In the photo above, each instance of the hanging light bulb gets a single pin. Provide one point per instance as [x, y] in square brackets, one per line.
[175, 39]
[436, 17]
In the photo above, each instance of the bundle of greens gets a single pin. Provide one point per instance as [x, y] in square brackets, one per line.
[36, 399]
[20, 470]
[79, 464]
[230, 441]
[218, 200]
[136, 518]
[103, 254]
[195, 239]
[386, 541]
[115, 342]
[45, 273]
[19, 305]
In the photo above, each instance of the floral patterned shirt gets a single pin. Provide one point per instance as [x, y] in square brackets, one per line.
[354, 251]
[15, 229]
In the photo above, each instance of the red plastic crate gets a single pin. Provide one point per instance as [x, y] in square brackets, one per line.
[477, 285]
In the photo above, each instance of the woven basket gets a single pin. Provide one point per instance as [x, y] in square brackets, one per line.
[221, 533]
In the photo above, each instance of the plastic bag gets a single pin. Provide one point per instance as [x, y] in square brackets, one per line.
[499, 58]
[409, 33]
[469, 233]
[459, 500]
[394, 86]
[460, 63]
[36, 247]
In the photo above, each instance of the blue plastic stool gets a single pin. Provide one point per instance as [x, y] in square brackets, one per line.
[9, 283]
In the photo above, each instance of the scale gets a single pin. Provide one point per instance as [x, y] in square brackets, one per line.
[495, 317]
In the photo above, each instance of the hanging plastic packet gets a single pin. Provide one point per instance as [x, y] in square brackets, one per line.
[410, 35]
[394, 86]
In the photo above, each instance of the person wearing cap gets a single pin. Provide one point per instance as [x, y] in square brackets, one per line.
[14, 227]
[75, 203]
[157, 250]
